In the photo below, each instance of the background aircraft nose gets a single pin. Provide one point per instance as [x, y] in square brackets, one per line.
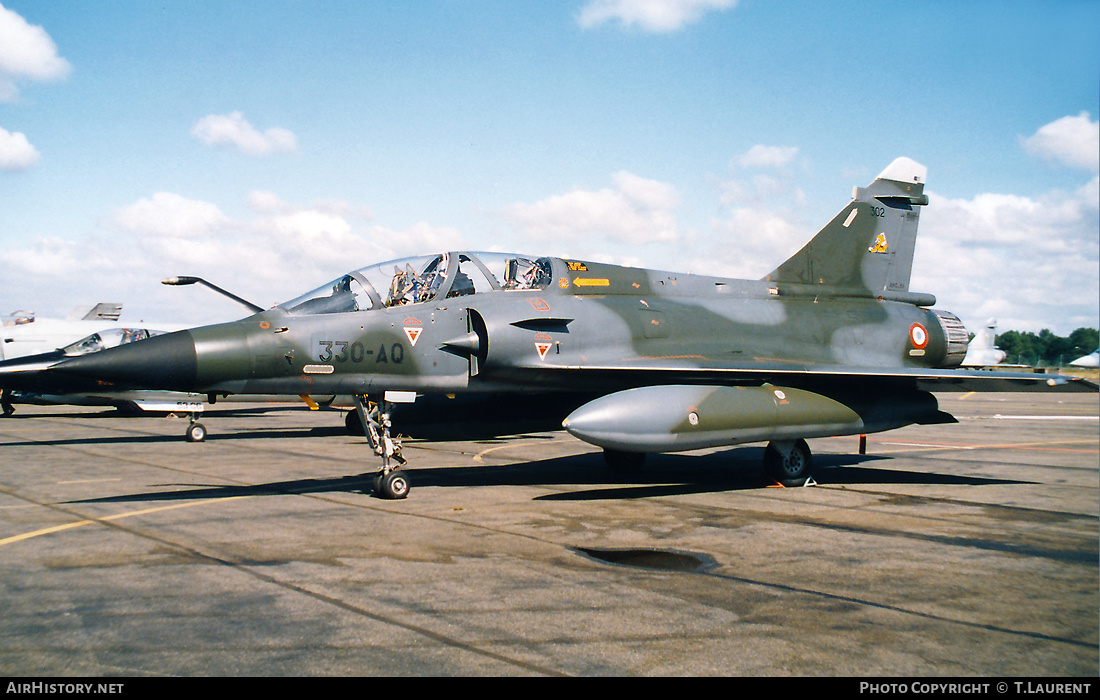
[162, 362]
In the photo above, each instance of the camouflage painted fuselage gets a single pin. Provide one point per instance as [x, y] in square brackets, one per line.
[830, 342]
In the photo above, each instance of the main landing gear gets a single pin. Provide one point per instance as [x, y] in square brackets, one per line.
[390, 482]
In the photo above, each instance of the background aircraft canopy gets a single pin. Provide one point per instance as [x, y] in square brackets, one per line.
[109, 338]
[17, 318]
[422, 279]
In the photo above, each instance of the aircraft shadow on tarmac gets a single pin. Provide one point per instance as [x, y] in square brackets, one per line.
[737, 469]
[265, 433]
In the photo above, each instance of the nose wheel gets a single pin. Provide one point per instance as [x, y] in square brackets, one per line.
[391, 485]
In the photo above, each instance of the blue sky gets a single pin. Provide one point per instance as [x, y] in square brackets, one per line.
[270, 146]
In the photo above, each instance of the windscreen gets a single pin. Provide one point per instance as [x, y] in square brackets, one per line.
[339, 296]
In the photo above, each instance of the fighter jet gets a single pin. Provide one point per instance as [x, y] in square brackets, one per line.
[981, 352]
[23, 378]
[1090, 360]
[22, 333]
[29, 346]
[831, 342]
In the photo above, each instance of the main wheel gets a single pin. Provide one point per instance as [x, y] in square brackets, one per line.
[791, 464]
[196, 432]
[393, 485]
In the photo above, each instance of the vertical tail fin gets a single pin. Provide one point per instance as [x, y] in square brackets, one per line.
[869, 245]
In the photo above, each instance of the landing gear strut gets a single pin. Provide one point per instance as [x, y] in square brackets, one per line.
[196, 431]
[375, 418]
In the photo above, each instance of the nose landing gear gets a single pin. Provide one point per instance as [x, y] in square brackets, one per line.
[390, 482]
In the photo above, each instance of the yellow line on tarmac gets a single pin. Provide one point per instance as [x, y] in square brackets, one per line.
[483, 453]
[120, 516]
[510, 445]
[88, 481]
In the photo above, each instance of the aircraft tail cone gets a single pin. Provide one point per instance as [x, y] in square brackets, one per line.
[166, 361]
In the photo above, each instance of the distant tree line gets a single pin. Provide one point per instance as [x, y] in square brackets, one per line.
[1046, 349]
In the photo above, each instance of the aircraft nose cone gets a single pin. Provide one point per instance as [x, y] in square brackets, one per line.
[26, 373]
[166, 361]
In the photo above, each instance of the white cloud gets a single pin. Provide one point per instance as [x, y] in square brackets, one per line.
[760, 189]
[264, 202]
[16, 152]
[1030, 262]
[169, 215]
[1072, 141]
[26, 52]
[649, 15]
[234, 130]
[761, 193]
[775, 188]
[634, 210]
[312, 230]
[282, 250]
[418, 239]
[761, 156]
[44, 256]
[752, 241]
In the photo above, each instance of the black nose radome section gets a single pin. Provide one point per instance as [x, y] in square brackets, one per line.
[162, 362]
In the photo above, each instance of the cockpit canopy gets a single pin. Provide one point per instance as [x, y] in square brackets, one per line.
[423, 279]
[17, 318]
